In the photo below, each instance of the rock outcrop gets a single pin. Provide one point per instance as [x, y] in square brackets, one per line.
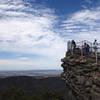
[82, 75]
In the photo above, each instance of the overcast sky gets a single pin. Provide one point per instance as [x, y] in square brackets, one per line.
[33, 33]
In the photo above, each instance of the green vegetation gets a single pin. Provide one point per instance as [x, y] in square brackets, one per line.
[19, 94]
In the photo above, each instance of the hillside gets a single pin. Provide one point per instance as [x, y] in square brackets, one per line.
[34, 86]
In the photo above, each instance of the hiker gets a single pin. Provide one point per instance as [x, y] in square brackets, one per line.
[95, 44]
[86, 48]
[73, 44]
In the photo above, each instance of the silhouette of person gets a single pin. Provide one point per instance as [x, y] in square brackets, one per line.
[73, 44]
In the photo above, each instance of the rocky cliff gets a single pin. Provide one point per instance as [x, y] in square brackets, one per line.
[82, 75]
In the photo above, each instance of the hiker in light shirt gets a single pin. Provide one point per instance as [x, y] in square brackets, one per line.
[95, 44]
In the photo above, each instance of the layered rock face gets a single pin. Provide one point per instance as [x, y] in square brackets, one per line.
[82, 75]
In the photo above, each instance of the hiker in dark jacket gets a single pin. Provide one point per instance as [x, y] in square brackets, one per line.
[73, 44]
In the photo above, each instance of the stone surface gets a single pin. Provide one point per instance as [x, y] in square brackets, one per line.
[82, 75]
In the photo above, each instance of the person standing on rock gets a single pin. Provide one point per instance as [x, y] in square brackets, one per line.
[95, 45]
[86, 48]
[73, 44]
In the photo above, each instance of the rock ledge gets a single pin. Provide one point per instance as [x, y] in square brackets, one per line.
[82, 75]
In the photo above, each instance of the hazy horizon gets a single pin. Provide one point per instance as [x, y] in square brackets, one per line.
[33, 70]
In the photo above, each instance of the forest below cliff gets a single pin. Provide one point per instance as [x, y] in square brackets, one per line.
[29, 88]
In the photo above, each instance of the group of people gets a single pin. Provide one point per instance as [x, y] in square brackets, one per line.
[71, 45]
[86, 47]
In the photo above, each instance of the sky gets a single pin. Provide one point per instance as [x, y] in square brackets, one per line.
[34, 33]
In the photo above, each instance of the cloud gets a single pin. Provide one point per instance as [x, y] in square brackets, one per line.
[88, 1]
[29, 30]
[89, 4]
[83, 25]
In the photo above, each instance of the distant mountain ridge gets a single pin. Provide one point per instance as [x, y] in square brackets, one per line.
[34, 73]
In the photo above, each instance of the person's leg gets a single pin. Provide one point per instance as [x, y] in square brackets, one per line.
[86, 50]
